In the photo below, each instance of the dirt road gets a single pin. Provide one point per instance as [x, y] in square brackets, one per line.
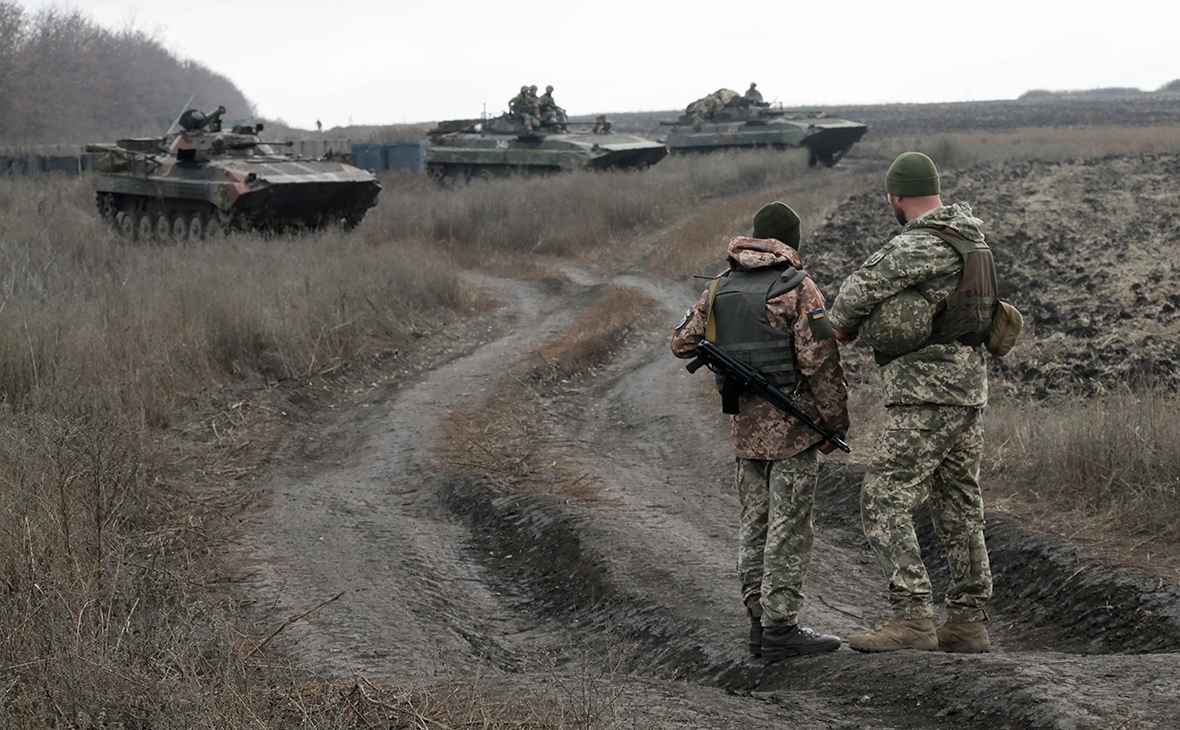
[448, 576]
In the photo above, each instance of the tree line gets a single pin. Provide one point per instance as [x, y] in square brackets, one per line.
[66, 80]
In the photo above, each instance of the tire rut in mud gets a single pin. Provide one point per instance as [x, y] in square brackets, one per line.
[1055, 615]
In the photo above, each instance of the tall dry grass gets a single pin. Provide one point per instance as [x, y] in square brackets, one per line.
[582, 214]
[106, 612]
[105, 349]
[1103, 466]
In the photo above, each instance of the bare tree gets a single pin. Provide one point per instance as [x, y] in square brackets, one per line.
[65, 79]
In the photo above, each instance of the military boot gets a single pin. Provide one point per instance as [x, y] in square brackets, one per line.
[755, 636]
[898, 634]
[780, 642]
[968, 637]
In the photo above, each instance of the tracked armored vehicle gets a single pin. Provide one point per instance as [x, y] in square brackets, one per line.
[727, 120]
[466, 149]
[199, 179]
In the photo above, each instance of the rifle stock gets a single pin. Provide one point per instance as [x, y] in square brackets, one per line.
[722, 363]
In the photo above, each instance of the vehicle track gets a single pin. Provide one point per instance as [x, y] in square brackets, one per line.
[447, 577]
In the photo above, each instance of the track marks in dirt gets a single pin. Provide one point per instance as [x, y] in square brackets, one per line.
[455, 577]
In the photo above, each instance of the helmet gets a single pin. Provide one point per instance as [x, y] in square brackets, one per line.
[548, 88]
[524, 89]
[533, 87]
[900, 324]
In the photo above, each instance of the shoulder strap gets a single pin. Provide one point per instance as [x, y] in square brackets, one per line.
[790, 279]
[960, 243]
[710, 320]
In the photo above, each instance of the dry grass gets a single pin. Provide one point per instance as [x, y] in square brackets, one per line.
[582, 215]
[595, 334]
[700, 240]
[108, 351]
[1105, 469]
[508, 438]
[1047, 144]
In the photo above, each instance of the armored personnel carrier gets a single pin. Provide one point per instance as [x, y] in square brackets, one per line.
[465, 149]
[727, 120]
[199, 179]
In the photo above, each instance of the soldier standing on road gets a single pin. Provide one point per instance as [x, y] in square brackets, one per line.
[932, 441]
[767, 312]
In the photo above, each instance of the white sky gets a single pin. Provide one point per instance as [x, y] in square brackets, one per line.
[372, 62]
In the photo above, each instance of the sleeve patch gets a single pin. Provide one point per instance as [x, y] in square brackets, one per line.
[821, 328]
[686, 320]
[880, 254]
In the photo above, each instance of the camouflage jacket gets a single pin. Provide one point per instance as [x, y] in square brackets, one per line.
[947, 374]
[523, 103]
[761, 431]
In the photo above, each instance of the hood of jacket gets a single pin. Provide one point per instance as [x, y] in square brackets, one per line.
[957, 216]
[756, 253]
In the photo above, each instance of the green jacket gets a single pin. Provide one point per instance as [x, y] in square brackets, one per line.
[946, 374]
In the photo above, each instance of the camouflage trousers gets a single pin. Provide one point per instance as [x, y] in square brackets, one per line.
[929, 452]
[776, 533]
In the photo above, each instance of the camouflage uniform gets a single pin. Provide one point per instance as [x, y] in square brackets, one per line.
[932, 441]
[753, 96]
[548, 110]
[524, 107]
[777, 457]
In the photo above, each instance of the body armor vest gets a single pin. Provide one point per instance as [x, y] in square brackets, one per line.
[737, 323]
[966, 315]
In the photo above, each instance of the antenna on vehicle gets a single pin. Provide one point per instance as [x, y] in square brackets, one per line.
[184, 108]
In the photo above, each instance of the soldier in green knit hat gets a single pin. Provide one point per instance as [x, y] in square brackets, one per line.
[931, 444]
[766, 311]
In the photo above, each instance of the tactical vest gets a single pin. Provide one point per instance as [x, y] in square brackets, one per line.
[736, 322]
[966, 314]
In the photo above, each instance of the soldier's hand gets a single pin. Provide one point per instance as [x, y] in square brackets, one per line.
[846, 338]
[827, 447]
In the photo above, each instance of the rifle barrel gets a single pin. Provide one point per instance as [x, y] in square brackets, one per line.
[721, 362]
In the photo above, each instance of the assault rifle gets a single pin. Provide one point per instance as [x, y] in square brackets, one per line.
[745, 375]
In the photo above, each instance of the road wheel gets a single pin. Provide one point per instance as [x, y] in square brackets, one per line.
[213, 227]
[163, 227]
[179, 232]
[196, 227]
[145, 226]
[125, 225]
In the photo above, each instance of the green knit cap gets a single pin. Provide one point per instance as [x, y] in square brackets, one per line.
[912, 175]
[777, 220]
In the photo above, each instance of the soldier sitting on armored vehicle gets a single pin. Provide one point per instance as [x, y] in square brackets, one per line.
[523, 106]
[753, 97]
[550, 112]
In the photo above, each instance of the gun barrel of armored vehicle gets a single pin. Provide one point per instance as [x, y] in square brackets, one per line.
[214, 115]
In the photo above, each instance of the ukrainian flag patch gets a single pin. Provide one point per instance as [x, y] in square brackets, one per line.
[687, 317]
[821, 329]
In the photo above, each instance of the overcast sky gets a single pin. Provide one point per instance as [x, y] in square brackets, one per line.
[367, 62]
